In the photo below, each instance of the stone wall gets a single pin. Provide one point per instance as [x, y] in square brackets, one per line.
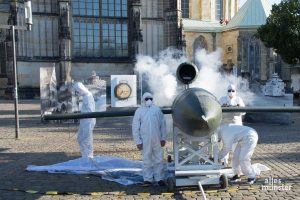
[195, 9]
[229, 46]
[190, 38]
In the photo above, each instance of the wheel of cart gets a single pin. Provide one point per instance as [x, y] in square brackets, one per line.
[171, 184]
[223, 181]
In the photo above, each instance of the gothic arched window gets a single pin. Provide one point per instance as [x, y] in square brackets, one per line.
[254, 58]
[249, 55]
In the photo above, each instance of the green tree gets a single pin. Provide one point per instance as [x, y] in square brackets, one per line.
[282, 30]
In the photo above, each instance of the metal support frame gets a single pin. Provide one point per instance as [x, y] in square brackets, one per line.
[193, 159]
[202, 191]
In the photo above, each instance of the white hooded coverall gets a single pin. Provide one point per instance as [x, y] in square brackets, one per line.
[85, 131]
[232, 102]
[149, 129]
[246, 139]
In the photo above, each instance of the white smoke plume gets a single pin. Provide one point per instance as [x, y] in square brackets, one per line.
[210, 79]
[160, 74]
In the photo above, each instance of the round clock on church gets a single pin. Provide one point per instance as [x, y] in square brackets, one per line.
[122, 91]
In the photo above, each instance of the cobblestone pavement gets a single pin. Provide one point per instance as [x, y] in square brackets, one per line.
[45, 144]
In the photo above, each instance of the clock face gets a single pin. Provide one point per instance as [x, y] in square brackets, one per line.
[122, 91]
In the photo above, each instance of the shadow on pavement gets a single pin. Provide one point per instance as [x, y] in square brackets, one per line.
[287, 157]
[3, 149]
[15, 180]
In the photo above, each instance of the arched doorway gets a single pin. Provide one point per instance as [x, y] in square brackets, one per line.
[199, 43]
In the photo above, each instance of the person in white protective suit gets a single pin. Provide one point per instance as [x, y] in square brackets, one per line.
[85, 131]
[246, 140]
[149, 134]
[232, 100]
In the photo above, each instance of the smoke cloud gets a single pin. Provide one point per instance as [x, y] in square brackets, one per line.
[210, 78]
[160, 74]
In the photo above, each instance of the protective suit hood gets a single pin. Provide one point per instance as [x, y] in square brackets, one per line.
[231, 88]
[145, 95]
[81, 89]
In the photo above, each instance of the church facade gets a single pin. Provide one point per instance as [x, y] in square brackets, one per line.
[233, 31]
[104, 36]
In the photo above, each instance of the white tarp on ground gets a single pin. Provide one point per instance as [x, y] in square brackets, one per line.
[120, 170]
[123, 171]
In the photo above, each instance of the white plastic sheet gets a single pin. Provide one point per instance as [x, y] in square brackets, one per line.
[123, 171]
[258, 168]
[120, 170]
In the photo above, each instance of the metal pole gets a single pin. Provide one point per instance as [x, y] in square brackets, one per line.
[166, 110]
[12, 28]
[141, 85]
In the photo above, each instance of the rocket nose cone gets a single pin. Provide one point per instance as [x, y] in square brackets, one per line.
[196, 112]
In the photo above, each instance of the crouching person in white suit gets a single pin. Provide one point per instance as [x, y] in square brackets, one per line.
[246, 140]
[85, 131]
[232, 100]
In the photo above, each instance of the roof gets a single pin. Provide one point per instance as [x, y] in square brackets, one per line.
[251, 15]
[201, 26]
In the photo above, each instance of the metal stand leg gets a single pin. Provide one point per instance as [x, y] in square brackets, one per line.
[202, 191]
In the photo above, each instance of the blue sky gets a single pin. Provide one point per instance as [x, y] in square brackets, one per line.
[270, 2]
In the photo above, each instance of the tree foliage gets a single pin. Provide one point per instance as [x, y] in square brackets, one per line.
[282, 30]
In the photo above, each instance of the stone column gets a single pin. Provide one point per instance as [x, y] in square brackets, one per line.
[136, 37]
[135, 27]
[214, 41]
[12, 20]
[64, 42]
[16, 13]
[239, 55]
